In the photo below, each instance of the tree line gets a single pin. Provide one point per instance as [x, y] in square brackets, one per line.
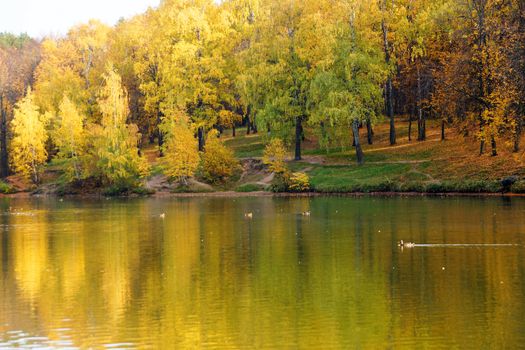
[95, 97]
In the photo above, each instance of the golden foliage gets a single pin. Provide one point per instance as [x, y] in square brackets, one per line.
[299, 182]
[275, 155]
[114, 143]
[181, 155]
[70, 138]
[218, 161]
[28, 146]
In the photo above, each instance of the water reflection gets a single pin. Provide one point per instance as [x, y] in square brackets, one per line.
[113, 273]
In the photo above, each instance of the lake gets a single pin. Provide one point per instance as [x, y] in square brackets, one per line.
[115, 274]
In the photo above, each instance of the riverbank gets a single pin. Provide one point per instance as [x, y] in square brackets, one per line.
[432, 167]
[266, 194]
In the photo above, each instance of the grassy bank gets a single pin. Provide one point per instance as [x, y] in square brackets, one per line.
[452, 165]
[431, 166]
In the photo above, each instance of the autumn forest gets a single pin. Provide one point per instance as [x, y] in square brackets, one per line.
[178, 77]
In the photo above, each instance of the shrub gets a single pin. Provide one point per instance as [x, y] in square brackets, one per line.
[382, 186]
[438, 187]
[5, 188]
[181, 154]
[473, 186]
[280, 183]
[518, 186]
[274, 156]
[218, 161]
[290, 182]
[411, 186]
[478, 186]
[298, 182]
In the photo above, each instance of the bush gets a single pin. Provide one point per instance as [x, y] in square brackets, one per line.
[479, 186]
[274, 156]
[473, 186]
[382, 186]
[299, 182]
[5, 188]
[218, 161]
[412, 186]
[438, 187]
[518, 186]
[280, 183]
[294, 182]
[181, 156]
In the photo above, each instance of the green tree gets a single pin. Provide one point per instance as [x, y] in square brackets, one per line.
[348, 91]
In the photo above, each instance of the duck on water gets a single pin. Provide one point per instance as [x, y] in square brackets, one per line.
[403, 244]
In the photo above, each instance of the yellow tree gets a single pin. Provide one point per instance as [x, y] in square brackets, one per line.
[180, 150]
[70, 138]
[73, 65]
[275, 156]
[218, 161]
[192, 69]
[28, 146]
[115, 149]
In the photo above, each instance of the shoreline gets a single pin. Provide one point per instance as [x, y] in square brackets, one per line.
[261, 194]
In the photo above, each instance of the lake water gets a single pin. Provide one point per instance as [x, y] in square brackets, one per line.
[114, 274]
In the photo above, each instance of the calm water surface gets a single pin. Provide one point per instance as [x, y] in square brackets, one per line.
[113, 274]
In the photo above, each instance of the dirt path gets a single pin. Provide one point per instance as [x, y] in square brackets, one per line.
[267, 180]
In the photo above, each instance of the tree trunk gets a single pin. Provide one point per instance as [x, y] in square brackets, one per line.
[390, 111]
[369, 132]
[443, 130]
[493, 145]
[358, 149]
[388, 88]
[298, 137]
[410, 125]
[160, 136]
[421, 134]
[4, 159]
[200, 135]
[323, 132]
[482, 140]
[233, 130]
[517, 135]
[254, 126]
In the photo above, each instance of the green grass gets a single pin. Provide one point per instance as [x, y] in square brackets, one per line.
[246, 147]
[352, 178]
[250, 187]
